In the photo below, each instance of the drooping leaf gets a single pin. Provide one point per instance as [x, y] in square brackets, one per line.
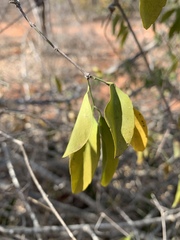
[115, 20]
[167, 15]
[150, 10]
[109, 163]
[83, 163]
[82, 128]
[177, 196]
[120, 118]
[127, 128]
[139, 139]
[175, 28]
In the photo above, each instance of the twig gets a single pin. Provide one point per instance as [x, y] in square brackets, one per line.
[118, 5]
[62, 183]
[39, 187]
[162, 143]
[5, 102]
[127, 219]
[18, 188]
[114, 224]
[162, 212]
[131, 60]
[74, 11]
[14, 21]
[87, 228]
[105, 30]
[77, 227]
[18, 5]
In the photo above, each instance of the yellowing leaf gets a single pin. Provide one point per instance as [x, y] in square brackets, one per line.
[139, 140]
[177, 196]
[83, 163]
[109, 163]
[82, 128]
[120, 118]
[150, 10]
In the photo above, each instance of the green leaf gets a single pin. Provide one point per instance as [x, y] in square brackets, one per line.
[82, 128]
[174, 65]
[83, 163]
[150, 10]
[109, 163]
[58, 84]
[139, 139]
[167, 15]
[114, 22]
[177, 196]
[175, 28]
[119, 115]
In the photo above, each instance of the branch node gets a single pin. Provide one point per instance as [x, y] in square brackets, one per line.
[87, 76]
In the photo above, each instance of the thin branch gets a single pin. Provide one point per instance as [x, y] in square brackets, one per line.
[18, 188]
[118, 5]
[109, 17]
[114, 224]
[77, 227]
[62, 183]
[127, 219]
[18, 5]
[39, 187]
[74, 11]
[14, 21]
[162, 212]
[162, 143]
[88, 229]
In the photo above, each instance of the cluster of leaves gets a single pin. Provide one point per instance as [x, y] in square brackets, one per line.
[121, 126]
[119, 28]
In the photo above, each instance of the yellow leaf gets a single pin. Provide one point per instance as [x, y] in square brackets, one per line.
[139, 139]
[109, 163]
[120, 118]
[150, 10]
[83, 163]
[177, 196]
[82, 128]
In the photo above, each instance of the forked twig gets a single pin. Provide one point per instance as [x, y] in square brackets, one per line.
[114, 224]
[163, 215]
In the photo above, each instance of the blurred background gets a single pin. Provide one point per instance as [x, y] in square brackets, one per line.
[40, 96]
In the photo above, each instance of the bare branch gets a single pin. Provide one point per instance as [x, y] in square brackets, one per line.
[77, 227]
[162, 212]
[39, 187]
[18, 5]
[18, 188]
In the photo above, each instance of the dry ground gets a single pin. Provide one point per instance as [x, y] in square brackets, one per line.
[35, 111]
